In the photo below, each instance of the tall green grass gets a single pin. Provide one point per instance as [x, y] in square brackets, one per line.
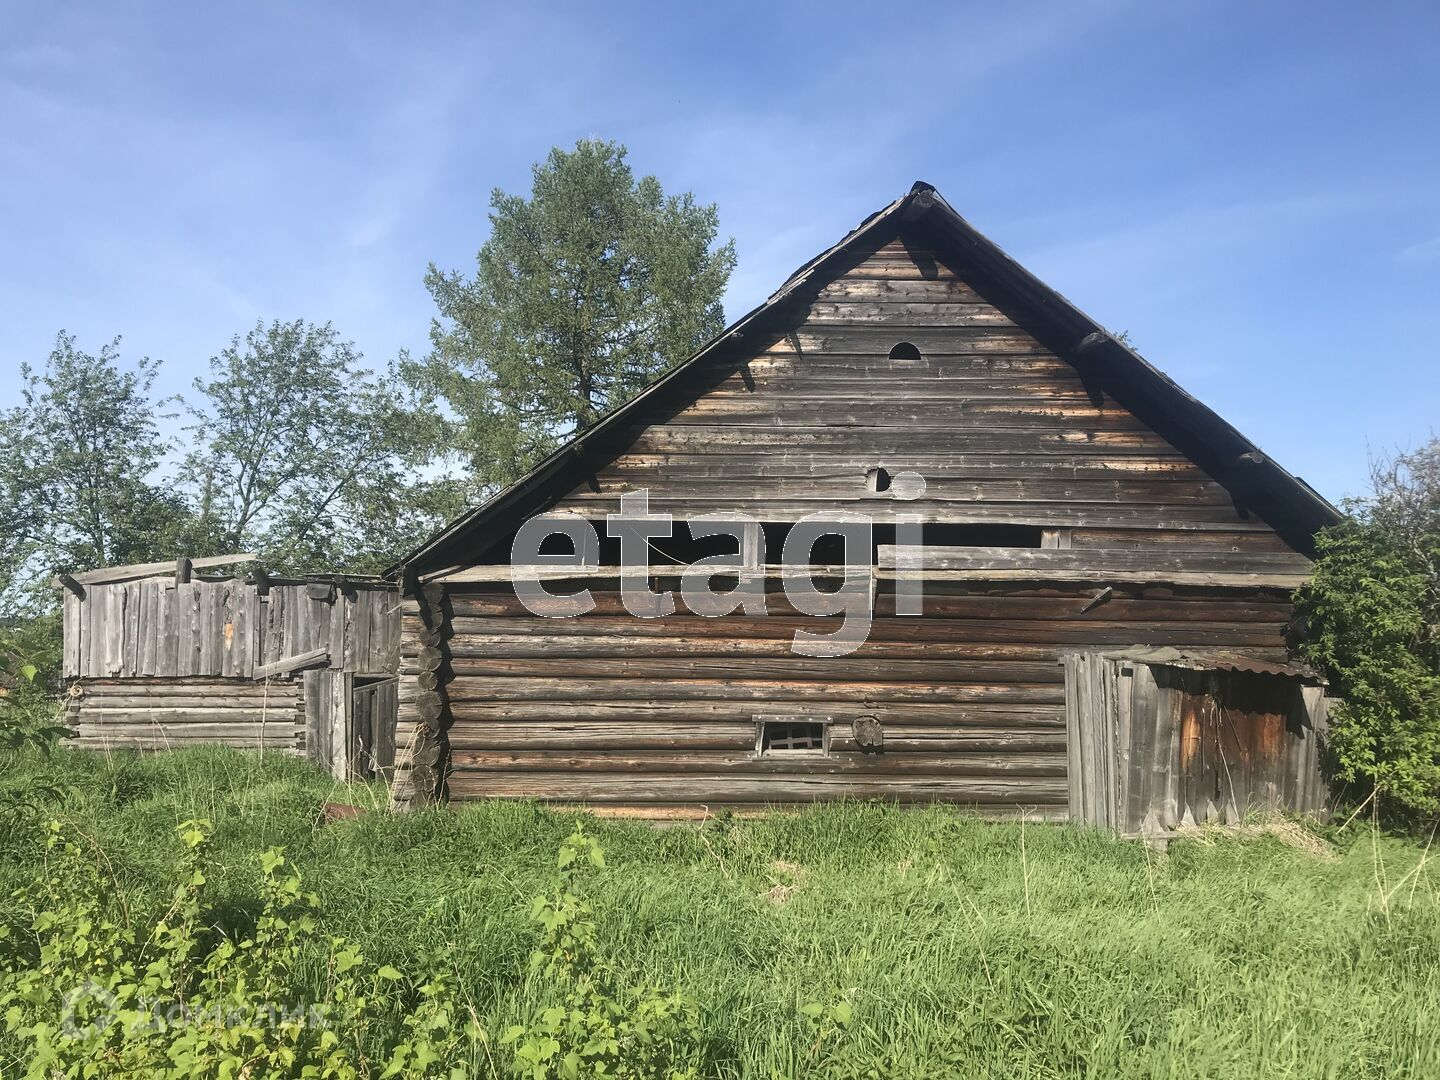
[965, 948]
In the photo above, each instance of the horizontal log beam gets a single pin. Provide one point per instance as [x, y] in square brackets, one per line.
[852, 762]
[720, 787]
[109, 574]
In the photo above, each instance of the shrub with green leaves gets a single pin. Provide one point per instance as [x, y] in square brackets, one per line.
[29, 721]
[596, 1024]
[1373, 626]
[89, 996]
[89, 988]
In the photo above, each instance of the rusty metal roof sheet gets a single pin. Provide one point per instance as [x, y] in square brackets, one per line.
[1214, 660]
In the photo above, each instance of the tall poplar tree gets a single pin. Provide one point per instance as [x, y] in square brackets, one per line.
[584, 293]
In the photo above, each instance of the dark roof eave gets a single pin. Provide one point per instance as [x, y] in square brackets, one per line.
[1205, 424]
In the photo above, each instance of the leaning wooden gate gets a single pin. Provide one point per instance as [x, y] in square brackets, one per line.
[1159, 739]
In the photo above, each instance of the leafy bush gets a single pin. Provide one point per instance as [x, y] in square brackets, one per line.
[29, 721]
[89, 996]
[595, 1024]
[1373, 626]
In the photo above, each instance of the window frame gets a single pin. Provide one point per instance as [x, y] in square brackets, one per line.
[824, 723]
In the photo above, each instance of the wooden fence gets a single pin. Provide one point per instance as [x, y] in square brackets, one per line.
[158, 627]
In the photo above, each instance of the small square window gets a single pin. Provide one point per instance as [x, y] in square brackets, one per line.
[791, 735]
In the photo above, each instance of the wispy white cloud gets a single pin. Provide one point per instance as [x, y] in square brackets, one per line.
[1424, 251]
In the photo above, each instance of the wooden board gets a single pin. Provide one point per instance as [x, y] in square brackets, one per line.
[153, 714]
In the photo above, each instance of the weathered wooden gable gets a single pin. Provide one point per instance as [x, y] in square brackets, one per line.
[1002, 429]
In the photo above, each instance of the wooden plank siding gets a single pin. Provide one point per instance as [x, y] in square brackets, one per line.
[154, 627]
[1155, 747]
[151, 663]
[617, 711]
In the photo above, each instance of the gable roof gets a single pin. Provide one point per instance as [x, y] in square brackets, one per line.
[1284, 501]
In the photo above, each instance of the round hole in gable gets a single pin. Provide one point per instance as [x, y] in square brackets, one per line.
[905, 351]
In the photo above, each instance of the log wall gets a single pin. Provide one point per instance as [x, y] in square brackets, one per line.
[608, 709]
[166, 713]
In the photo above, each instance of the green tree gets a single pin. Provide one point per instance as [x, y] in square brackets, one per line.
[584, 293]
[78, 461]
[305, 456]
[1373, 626]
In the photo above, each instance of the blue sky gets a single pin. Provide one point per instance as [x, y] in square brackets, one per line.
[1252, 190]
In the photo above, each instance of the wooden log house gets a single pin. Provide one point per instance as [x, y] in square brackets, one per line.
[1106, 567]
[163, 655]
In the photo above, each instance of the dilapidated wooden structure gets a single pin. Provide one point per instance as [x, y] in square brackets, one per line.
[1164, 737]
[1077, 507]
[162, 654]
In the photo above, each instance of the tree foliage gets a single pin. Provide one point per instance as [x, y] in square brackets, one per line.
[78, 462]
[298, 450]
[295, 450]
[1373, 626]
[302, 454]
[585, 292]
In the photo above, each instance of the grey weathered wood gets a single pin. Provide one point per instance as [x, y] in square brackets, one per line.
[1095, 560]
[153, 627]
[342, 724]
[110, 574]
[314, 658]
[319, 703]
[72, 646]
[105, 713]
[1176, 746]
[170, 655]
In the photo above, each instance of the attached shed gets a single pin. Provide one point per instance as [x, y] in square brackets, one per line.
[1160, 738]
[160, 655]
[1049, 491]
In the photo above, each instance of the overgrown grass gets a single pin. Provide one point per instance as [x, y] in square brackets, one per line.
[964, 948]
